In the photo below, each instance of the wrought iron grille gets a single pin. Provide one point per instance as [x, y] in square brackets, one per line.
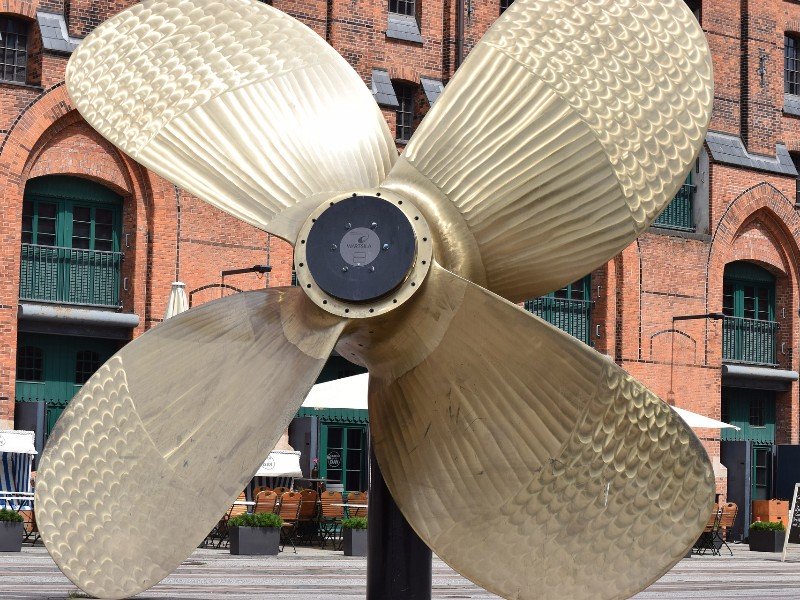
[572, 316]
[405, 111]
[750, 341]
[791, 65]
[679, 213]
[403, 7]
[69, 275]
[14, 48]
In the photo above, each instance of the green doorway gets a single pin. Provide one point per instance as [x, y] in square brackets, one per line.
[753, 411]
[343, 453]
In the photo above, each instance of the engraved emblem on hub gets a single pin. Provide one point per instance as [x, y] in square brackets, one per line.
[360, 246]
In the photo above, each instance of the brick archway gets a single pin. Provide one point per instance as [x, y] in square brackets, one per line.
[770, 220]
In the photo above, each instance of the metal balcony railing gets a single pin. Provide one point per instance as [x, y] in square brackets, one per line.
[572, 316]
[69, 275]
[679, 213]
[749, 341]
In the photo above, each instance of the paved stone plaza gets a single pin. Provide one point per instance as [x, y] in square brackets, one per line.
[322, 575]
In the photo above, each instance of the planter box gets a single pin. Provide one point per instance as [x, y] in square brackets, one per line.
[767, 541]
[10, 536]
[255, 540]
[355, 542]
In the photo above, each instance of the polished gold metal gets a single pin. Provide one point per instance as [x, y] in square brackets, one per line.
[234, 101]
[163, 438]
[566, 131]
[531, 464]
[415, 277]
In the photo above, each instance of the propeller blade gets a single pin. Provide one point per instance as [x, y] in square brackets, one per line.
[234, 101]
[566, 131]
[531, 464]
[155, 447]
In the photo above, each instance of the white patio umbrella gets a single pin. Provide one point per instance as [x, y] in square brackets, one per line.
[178, 302]
[696, 421]
[348, 392]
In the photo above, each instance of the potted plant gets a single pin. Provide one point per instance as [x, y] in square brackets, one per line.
[354, 534]
[10, 531]
[767, 536]
[257, 533]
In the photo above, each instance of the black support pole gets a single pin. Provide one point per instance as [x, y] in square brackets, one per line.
[399, 564]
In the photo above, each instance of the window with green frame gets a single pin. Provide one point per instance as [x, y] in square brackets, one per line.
[71, 230]
[569, 308]
[679, 213]
[748, 303]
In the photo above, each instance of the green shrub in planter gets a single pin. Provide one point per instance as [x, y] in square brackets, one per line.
[767, 526]
[354, 536]
[10, 531]
[10, 515]
[256, 520]
[258, 533]
[355, 523]
[767, 536]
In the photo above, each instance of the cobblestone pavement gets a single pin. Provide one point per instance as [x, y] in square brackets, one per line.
[325, 575]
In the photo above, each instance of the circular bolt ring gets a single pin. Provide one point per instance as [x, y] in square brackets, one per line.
[379, 305]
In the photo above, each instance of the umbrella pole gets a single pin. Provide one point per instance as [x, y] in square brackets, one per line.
[399, 564]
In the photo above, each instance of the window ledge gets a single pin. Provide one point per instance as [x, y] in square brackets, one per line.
[791, 105]
[17, 84]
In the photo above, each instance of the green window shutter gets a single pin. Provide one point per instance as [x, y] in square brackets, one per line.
[679, 213]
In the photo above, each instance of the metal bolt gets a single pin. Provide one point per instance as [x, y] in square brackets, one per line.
[373, 226]
[333, 247]
[344, 269]
[372, 269]
[385, 247]
[347, 226]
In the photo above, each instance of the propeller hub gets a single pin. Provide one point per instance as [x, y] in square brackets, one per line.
[363, 254]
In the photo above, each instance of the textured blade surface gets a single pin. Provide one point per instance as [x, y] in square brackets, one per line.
[530, 463]
[567, 130]
[159, 442]
[235, 101]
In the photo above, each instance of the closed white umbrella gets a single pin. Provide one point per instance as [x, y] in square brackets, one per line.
[696, 421]
[178, 302]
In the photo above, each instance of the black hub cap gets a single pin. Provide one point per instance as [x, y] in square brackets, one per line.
[360, 249]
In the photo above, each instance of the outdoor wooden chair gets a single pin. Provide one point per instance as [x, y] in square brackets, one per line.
[29, 528]
[706, 539]
[330, 518]
[307, 520]
[289, 511]
[280, 491]
[261, 488]
[266, 502]
[727, 517]
[356, 498]
[234, 511]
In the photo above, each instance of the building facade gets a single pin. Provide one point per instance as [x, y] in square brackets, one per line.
[92, 241]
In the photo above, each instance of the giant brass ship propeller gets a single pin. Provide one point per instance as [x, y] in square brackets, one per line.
[527, 461]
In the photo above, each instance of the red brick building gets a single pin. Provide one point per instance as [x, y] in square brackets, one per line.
[727, 245]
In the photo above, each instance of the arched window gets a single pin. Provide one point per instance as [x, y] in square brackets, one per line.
[86, 363]
[29, 363]
[13, 49]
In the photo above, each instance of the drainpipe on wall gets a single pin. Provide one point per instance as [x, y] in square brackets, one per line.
[459, 32]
